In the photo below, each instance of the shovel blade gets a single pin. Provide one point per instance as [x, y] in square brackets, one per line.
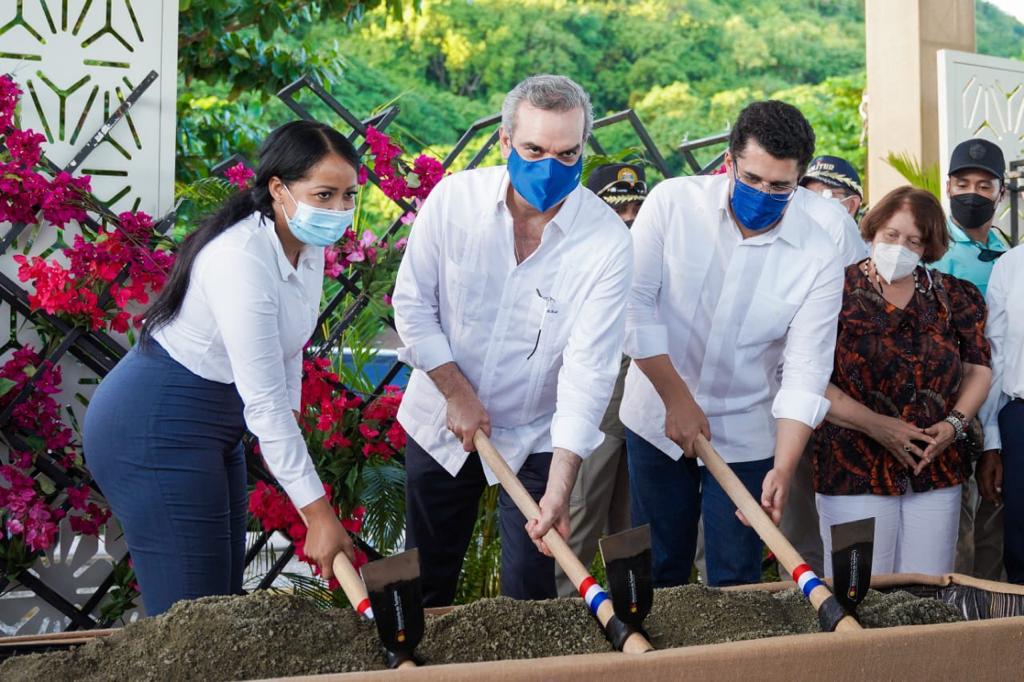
[852, 549]
[627, 564]
[393, 585]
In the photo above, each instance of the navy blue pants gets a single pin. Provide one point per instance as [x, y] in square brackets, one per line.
[164, 445]
[671, 495]
[441, 510]
[1011, 431]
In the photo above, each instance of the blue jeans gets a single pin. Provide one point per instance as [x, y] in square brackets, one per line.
[1011, 431]
[665, 493]
[164, 445]
[671, 495]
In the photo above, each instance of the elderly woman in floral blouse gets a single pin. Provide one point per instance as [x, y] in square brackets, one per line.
[911, 371]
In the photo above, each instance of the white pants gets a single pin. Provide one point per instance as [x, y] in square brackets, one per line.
[914, 532]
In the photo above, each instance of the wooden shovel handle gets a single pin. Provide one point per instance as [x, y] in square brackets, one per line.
[759, 521]
[351, 584]
[576, 572]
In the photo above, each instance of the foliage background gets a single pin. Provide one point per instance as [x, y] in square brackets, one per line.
[685, 66]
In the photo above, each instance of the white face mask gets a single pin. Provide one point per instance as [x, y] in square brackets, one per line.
[893, 261]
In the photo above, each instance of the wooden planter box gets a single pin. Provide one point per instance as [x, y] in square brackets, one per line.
[987, 649]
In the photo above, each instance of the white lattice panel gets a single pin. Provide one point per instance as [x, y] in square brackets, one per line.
[76, 60]
[981, 96]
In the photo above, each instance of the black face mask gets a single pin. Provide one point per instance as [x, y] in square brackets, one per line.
[971, 210]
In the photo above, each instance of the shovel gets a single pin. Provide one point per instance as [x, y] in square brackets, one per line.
[852, 548]
[830, 614]
[394, 586]
[354, 589]
[627, 563]
[620, 634]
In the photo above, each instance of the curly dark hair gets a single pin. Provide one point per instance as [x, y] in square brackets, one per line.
[778, 127]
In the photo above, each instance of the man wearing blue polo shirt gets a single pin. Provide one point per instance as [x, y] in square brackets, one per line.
[975, 186]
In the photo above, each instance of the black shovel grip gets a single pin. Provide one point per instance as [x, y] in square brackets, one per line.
[618, 631]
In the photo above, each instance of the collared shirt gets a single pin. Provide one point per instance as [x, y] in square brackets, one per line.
[961, 260]
[728, 311]
[246, 316]
[837, 222]
[1005, 331]
[540, 342]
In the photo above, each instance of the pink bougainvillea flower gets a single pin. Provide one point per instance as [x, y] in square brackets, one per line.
[239, 175]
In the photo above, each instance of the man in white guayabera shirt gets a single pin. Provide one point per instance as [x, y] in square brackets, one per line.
[731, 281]
[510, 301]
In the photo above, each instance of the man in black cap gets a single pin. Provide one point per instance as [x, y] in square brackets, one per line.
[974, 187]
[835, 178]
[599, 503]
[623, 186]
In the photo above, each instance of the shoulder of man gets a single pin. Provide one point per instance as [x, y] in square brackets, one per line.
[602, 220]
[473, 178]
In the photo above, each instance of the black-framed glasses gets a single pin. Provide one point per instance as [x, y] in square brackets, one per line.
[549, 307]
[777, 191]
[987, 255]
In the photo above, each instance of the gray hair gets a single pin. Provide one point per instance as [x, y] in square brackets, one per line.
[550, 93]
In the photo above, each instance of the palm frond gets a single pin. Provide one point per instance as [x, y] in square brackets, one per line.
[916, 173]
[312, 588]
[204, 194]
[627, 155]
[382, 492]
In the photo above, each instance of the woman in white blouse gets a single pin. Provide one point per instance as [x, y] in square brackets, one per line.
[221, 349]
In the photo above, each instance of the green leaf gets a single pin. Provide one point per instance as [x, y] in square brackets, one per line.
[921, 176]
[6, 385]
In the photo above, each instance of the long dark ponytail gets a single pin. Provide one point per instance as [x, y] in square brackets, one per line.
[288, 153]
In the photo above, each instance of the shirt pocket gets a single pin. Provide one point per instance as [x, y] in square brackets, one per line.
[767, 320]
[465, 289]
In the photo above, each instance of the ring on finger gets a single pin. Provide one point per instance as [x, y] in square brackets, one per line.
[906, 448]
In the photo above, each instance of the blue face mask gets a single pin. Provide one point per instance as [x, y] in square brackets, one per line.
[754, 209]
[543, 183]
[318, 226]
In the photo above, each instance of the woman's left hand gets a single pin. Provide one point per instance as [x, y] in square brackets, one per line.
[944, 435]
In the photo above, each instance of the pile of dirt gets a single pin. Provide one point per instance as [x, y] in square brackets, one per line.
[276, 635]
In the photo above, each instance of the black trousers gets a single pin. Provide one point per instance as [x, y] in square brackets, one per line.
[441, 510]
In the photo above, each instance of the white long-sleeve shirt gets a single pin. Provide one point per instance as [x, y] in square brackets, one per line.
[728, 311]
[837, 222]
[1005, 331]
[245, 319]
[460, 297]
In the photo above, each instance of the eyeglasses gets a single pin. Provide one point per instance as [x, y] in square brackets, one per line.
[987, 255]
[837, 195]
[549, 307]
[777, 191]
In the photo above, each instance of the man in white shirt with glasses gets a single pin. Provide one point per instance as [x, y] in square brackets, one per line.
[731, 281]
[510, 301]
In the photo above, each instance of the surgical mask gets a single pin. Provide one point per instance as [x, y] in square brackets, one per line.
[754, 209]
[545, 182]
[971, 210]
[318, 226]
[893, 261]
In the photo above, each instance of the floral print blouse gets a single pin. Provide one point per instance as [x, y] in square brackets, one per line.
[901, 363]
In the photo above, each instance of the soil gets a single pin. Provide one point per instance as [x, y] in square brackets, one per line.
[272, 635]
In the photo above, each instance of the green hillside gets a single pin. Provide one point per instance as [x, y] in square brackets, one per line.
[686, 66]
